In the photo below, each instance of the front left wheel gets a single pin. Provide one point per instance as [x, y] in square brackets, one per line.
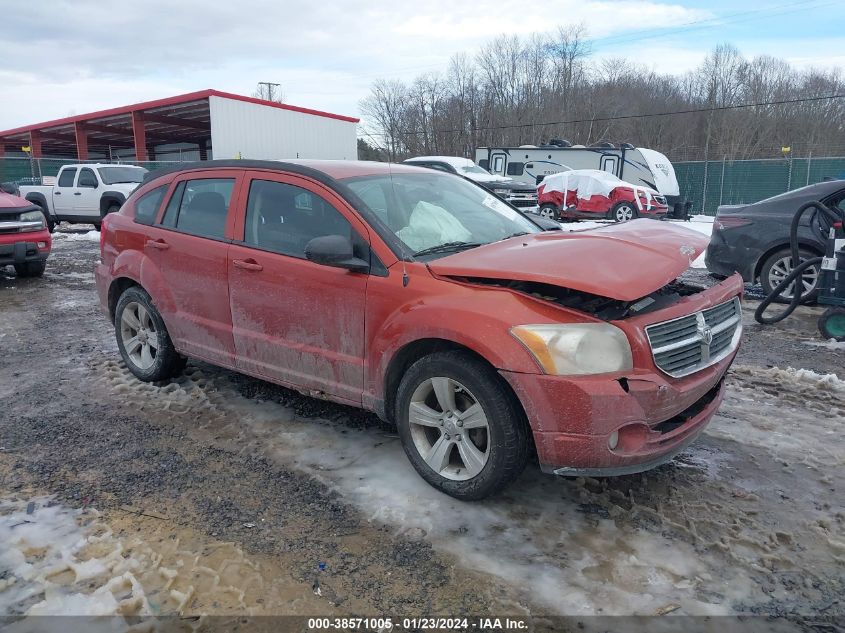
[622, 212]
[142, 338]
[460, 428]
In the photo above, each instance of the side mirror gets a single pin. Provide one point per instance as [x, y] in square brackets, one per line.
[335, 251]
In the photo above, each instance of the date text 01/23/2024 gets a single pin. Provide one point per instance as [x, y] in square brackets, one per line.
[421, 623]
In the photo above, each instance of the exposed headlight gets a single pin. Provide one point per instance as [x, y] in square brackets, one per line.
[501, 192]
[33, 216]
[577, 348]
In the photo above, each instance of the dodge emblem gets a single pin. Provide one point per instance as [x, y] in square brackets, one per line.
[707, 335]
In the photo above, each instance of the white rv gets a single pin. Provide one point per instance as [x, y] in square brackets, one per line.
[530, 163]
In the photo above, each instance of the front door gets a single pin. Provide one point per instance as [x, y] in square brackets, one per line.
[190, 249]
[86, 198]
[295, 321]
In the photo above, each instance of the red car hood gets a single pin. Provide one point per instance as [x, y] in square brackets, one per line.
[8, 201]
[621, 261]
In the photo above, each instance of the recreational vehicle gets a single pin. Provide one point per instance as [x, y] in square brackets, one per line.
[530, 163]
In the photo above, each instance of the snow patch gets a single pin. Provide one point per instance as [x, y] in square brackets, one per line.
[90, 236]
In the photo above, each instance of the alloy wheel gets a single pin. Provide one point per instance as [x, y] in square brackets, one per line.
[624, 213]
[781, 269]
[138, 334]
[449, 428]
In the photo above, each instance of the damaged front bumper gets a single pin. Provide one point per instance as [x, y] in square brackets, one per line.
[607, 426]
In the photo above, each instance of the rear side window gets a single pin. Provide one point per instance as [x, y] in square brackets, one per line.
[283, 218]
[516, 169]
[66, 178]
[202, 207]
[147, 206]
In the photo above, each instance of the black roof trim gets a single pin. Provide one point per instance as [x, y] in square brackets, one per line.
[341, 188]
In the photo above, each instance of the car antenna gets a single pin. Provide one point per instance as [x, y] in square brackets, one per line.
[405, 278]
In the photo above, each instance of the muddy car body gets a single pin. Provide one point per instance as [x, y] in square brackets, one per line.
[25, 242]
[353, 281]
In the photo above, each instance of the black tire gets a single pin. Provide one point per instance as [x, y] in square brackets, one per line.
[51, 224]
[506, 434]
[167, 361]
[31, 269]
[97, 225]
[769, 285]
[832, 324]
[112, 208]
[615, 211]
[551, 212]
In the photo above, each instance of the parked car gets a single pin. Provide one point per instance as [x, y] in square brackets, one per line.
[520, 195]
[25, 242]
[596, 194]
[753, 239]
[425, 299]
[84, 193]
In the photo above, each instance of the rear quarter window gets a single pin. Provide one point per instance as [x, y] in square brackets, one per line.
[146, 208]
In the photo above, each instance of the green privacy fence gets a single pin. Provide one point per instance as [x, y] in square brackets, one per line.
[29, 171]
[709, 184]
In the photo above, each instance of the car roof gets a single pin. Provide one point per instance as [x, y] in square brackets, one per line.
[320, 169]
[455, 161]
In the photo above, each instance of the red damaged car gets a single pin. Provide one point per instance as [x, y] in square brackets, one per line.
[25, 242]
[595, 194]
[430, 301]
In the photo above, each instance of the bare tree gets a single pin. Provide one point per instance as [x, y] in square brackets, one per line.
[269, 91]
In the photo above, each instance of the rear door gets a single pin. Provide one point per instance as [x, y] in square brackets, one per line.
[190, 247]
[63, 191]
[295, 321]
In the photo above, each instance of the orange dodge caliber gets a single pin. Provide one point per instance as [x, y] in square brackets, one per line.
[424, 298]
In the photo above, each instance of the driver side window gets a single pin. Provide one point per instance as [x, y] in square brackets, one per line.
[283, 218]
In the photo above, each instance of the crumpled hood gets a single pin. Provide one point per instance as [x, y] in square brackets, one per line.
[621, 261]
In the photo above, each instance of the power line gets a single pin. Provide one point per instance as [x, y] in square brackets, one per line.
[622, 116]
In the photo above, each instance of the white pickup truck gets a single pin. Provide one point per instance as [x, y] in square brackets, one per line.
[84, 193]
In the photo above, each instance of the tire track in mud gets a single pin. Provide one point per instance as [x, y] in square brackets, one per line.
[726, 500]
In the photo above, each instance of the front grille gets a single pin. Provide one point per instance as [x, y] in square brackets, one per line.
[690, 343]
[525, 192]
[523, 203]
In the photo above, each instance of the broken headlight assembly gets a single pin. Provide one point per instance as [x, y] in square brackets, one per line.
[576, 349]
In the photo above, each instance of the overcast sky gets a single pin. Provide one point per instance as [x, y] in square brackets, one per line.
[59, 58]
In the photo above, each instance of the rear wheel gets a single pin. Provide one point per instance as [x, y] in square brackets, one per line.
[143, 340]
[776, 268]
[461, 431]
[30, 269]
[832, 324]
[622, 212]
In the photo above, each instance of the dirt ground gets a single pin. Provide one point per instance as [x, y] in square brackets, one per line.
[222, 494]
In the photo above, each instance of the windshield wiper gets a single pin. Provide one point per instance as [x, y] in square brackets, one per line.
[447, 247]
[517, 234]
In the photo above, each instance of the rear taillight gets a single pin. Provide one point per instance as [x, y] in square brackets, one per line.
[730, 222]
[103, 229]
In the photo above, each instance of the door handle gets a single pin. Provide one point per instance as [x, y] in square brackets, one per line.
[247, 264]
[57, 193]
[77, 193]
[160, 245]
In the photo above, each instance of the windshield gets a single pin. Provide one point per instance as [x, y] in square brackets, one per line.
[427, 211]
[114, 175]
[474, 169]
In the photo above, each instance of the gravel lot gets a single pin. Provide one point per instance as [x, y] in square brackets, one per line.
[229, 495]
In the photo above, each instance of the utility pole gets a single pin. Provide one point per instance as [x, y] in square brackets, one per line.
[270, 88]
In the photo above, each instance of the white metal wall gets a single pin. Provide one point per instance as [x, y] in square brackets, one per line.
[249, 130]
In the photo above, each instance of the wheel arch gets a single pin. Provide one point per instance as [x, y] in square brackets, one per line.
[413, 351]
[117, 287]
[110, 197]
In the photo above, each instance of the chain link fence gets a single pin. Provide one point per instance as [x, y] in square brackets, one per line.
[30, 171]
[707, 184]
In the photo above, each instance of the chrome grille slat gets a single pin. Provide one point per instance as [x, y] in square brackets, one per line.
[690, 343]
